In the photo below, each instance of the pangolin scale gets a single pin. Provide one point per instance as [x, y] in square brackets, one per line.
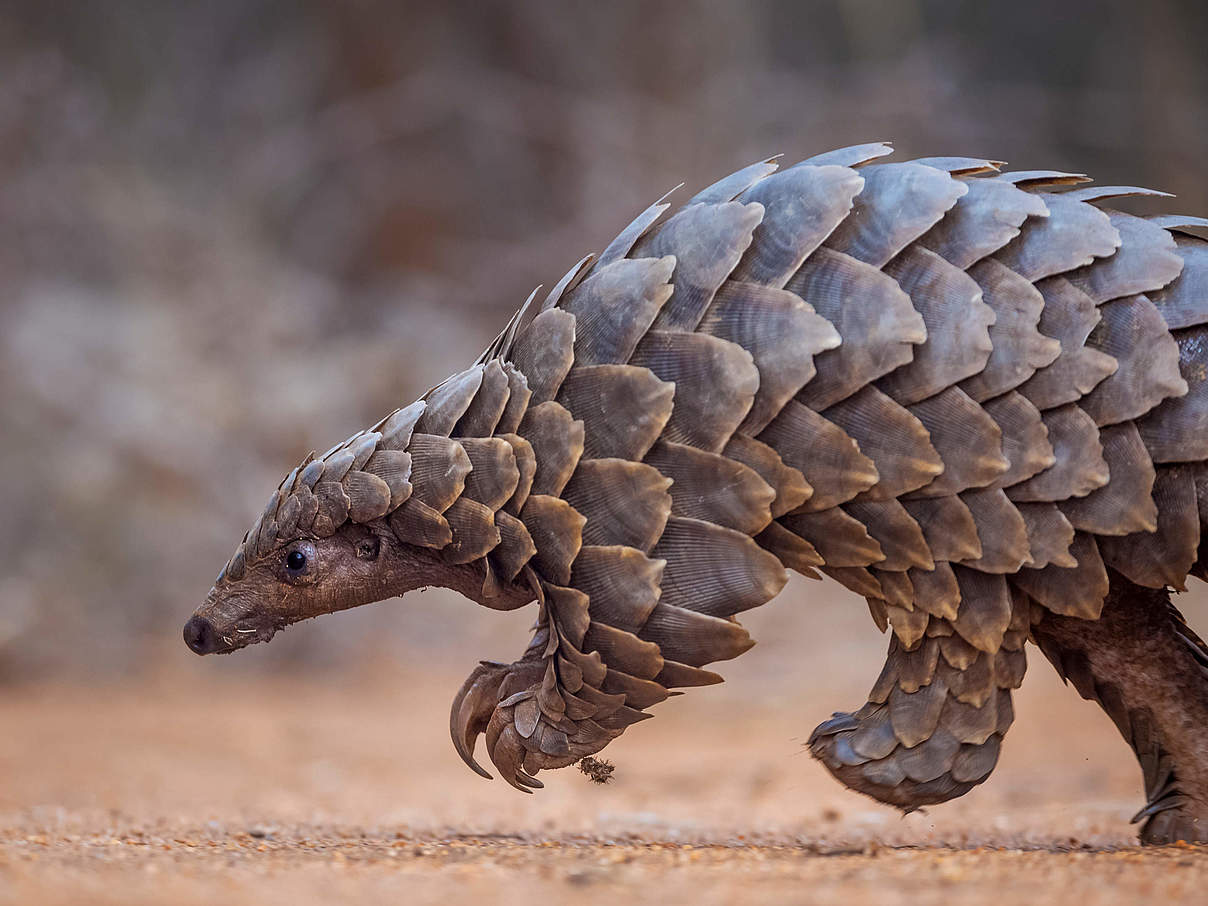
[978, 399]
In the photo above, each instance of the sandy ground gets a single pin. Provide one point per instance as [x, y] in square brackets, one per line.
[205, 782]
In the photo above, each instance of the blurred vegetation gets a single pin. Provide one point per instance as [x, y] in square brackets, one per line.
[235, 231]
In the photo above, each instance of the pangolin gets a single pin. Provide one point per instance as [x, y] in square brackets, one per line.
[978, 399]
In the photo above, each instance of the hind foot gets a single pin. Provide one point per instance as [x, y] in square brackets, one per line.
[1172, 819]
[1148, 671]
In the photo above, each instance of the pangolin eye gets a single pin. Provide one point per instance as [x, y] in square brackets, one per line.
[299, 564]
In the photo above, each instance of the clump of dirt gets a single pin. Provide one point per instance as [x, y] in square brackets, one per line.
[598, 770]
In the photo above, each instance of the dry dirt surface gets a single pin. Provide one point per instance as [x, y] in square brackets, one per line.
[209, 782]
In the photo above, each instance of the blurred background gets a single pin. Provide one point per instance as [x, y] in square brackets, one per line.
[237, 231]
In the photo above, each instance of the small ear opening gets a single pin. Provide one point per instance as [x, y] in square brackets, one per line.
[368, 547]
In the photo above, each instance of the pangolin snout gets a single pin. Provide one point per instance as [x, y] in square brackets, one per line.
[201, 636]
[227, 622]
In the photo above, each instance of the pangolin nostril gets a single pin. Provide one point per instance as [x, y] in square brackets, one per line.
[200, 635]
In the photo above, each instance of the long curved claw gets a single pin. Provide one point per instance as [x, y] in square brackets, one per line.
[525, 730]
[472, 709]
[508, 755]
[1160, 805]
[529, 780]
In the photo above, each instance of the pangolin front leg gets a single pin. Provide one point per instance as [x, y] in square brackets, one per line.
[541, 712]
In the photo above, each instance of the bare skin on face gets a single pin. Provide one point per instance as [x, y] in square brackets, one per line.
[311, 576]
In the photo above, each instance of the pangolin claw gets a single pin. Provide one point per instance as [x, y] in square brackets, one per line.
[1160, 804]
[508, 754]
[525, 732]
[472, 709]
[485, 704]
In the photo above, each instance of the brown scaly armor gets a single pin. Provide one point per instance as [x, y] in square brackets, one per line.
[978, 399]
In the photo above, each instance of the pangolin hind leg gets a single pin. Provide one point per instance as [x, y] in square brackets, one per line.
[1149, 672]
[935, 719]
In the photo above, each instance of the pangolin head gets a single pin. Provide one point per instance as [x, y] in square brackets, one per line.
[323, 543]
[306, 555]
[348, 528]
